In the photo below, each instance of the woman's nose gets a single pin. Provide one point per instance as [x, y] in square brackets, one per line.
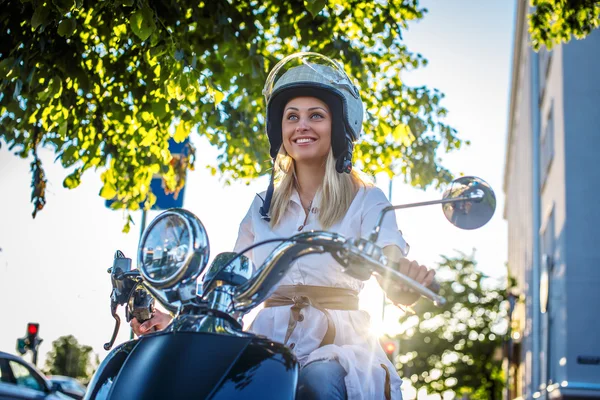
[302, 125]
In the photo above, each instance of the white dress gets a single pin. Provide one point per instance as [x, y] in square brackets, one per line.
[355, 347]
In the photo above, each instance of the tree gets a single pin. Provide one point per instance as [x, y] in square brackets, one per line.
[69, 358]
[105, 84]
[556, 21]
[456, 347]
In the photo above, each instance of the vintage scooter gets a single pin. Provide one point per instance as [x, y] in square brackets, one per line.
[204, 353]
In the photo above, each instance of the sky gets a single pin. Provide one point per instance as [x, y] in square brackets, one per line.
[53, 269]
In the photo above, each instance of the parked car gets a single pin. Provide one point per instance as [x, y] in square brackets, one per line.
[69, 386]
[21, 380]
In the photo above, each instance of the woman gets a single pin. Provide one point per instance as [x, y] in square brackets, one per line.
[314, 114]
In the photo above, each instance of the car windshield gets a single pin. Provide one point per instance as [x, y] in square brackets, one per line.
[24, 377]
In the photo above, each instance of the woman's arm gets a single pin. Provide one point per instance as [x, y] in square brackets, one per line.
[390, 238]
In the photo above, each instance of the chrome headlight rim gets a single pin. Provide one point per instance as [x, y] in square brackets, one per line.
[196, 258]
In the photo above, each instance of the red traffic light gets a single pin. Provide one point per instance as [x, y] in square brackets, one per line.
[32, 329]
[390, 347]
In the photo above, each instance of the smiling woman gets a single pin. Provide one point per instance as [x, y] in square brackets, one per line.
[314, 116]
[306, 130]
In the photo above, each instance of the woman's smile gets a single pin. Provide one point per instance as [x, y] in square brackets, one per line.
[304, 140]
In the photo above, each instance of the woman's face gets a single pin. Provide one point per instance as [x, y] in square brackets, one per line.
[306, 129]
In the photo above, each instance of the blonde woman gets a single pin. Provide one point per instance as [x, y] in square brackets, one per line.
[314, 114]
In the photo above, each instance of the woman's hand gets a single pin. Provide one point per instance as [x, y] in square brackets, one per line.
[158, 322]
[401, 294]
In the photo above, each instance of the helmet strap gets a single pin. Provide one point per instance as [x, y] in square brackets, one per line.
[264, 210]
[344, 160]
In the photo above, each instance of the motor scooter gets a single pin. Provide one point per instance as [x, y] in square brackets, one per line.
[204, 353]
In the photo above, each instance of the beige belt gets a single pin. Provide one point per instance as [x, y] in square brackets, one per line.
[320, 297]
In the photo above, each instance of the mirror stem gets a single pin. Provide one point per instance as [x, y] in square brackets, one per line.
[375, 233]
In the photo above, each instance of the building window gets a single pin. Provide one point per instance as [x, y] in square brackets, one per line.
[547, 146]
[544, 65]
[547, 239]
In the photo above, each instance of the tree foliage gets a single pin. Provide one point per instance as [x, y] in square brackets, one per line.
[556, 21]
[455, 347]
[69, 358]
[105, 84]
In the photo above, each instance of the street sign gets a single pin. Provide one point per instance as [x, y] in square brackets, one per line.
[165, 201]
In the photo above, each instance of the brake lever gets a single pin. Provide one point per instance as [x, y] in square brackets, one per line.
[113, 310]
[122, 279]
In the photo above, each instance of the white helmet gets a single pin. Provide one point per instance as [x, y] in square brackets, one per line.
[315, 75]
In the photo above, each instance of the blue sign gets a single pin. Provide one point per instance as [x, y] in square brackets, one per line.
[165, 201]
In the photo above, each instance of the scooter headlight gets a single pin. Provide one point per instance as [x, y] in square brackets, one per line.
[174, 249]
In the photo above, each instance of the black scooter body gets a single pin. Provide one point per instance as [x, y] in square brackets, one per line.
[190, 365]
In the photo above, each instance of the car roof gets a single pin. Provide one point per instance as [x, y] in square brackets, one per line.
[10, 356]
[18, 359]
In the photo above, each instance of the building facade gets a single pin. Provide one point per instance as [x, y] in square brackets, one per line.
[552, 188]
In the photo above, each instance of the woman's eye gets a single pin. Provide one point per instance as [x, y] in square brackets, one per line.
[292, 117]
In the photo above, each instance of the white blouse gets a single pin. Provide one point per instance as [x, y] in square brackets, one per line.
[355, 347]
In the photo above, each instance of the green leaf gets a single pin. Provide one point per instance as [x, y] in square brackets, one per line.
[40, 16]
[108, 191]
[127, 226]
[181, 133]
[62, 129]
[56, 87]
[43, 95]
[314, 7]
[388, 41]
[73, 180]
[33, 117]
[158, 51]
[70, 156]
[159, 108]
[6, 65]
[142, 23]
[64, 5]
[66, 28]
[402, 134]
[215, 93]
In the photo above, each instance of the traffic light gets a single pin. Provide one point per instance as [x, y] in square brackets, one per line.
[21, 346]
[32, 334]
[391, 348]
[31, 341]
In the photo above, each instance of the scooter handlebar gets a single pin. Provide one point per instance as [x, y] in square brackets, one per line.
[368, 253]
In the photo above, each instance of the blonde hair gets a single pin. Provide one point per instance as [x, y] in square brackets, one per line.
[337, 190]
